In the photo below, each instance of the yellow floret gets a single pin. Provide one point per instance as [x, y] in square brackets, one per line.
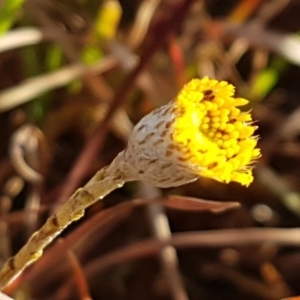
[215, 137]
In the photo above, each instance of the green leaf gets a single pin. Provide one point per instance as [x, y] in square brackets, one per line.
[54, 58]
[268, 78]
[7, 14]
[265, 82]
[91, 54]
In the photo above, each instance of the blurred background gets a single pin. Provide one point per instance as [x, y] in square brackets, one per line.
[76, 75]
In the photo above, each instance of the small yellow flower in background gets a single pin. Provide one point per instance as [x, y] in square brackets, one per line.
[213, 135]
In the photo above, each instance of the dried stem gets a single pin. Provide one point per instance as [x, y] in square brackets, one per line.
[211, 239]
[168, 255]
[35, 86]
[20, 37]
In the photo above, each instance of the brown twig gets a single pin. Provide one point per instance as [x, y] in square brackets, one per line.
[213, 238]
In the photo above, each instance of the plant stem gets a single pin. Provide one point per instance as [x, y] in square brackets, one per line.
[106, 180]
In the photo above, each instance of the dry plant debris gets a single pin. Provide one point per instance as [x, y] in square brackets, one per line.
[75, 78]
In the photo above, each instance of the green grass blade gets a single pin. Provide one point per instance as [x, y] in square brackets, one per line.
[8, 13]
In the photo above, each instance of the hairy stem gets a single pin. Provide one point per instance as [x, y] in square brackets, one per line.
[101, 184]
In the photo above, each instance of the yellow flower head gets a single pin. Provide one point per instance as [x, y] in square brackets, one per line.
[212, 135]
[200, 133]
